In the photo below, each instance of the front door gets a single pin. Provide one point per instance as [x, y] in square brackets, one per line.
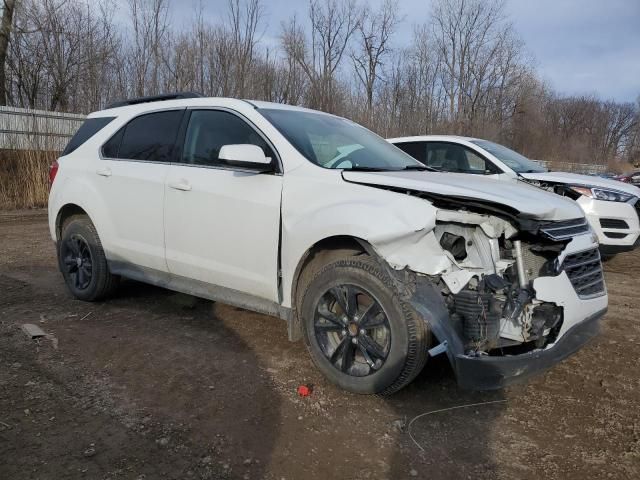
[222, 222]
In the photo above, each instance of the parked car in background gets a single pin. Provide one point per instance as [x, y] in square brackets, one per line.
[611, 207]
[373, 261]
[631, 178]
[608, 175]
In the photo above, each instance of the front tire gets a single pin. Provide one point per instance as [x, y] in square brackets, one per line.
[358, 331]
[82, 260]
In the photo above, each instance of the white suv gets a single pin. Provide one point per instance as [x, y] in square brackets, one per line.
[611, 207]
[375, 262]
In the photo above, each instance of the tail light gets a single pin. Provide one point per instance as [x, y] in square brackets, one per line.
[53, 170]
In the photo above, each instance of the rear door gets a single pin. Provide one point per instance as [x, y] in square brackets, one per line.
[131, 177]
[222, 223]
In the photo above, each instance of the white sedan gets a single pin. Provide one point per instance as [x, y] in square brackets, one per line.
[611, 207]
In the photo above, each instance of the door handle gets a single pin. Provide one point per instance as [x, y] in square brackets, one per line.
[180, 185]
[104, 172]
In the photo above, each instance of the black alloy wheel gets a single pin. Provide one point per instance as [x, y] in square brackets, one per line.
[358, 328]
[82, 260]
[77, 261]
[352, 330]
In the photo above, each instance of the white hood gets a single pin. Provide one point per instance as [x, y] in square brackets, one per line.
[584, 180]
[528, 200]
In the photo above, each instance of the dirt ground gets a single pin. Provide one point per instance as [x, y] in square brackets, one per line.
[152, 384]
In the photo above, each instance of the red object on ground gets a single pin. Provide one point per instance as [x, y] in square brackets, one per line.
[305, 390]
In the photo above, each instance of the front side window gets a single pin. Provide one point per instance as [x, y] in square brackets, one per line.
[452, 157]
[209, 130]
[149, 137]
[516, 162]
[333, 142]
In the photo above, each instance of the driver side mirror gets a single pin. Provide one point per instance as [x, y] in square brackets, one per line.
[245, 155]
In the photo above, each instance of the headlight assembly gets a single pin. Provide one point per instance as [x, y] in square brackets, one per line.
[598, 193]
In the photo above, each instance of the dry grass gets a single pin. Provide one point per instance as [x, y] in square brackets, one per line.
[24, 178]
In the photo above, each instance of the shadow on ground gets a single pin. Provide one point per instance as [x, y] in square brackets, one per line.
[148, 385]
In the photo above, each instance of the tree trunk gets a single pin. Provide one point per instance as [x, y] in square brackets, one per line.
[5, 35]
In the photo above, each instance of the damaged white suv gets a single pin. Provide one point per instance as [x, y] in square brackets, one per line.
[375, 262]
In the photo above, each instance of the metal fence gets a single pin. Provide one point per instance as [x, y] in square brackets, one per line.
[26, 129]
[585, 168]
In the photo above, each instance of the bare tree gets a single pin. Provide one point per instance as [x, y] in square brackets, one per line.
[58, 55]
[470, 36]
[374, 32]
[6, 25]
[149, 20]
[332, 26]
[244, 20]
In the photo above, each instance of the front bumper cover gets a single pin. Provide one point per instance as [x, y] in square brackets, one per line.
[597, 210]
[609, 250]
[493, 372]
[488, 373]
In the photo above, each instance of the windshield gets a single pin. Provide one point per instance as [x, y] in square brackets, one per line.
[333, 142]
[516, 162]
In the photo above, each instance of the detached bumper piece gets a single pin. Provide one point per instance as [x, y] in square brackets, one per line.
[489, 372]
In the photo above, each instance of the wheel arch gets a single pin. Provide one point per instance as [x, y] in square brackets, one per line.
[316, 256]
[66, 211]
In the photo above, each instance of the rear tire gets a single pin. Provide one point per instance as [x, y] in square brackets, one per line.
[82, 261]
[358, 331]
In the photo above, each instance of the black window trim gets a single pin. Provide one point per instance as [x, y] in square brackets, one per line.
[278, 170]
[182, 131]
[124, 126]
[449, 142]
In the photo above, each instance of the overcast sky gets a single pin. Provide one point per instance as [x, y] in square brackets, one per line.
[579, 46]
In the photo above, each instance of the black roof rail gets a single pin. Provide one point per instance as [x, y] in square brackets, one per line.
[155, 98]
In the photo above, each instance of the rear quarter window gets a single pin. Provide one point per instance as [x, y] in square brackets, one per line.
[88, 129]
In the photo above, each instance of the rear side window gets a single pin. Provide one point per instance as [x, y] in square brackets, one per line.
[417, 150]
[149, 137]
[88, 129]
[110, 149]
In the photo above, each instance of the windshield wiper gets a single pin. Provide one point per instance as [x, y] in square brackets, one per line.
[365, 169]
[420, 168]
[362, 168]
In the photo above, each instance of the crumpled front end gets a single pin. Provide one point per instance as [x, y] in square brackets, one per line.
[507, 303]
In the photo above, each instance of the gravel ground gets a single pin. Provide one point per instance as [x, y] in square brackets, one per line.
[153, 384]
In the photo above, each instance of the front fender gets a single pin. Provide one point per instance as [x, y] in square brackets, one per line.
[399, 227]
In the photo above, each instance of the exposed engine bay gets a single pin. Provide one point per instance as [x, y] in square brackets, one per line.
[489, 287]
